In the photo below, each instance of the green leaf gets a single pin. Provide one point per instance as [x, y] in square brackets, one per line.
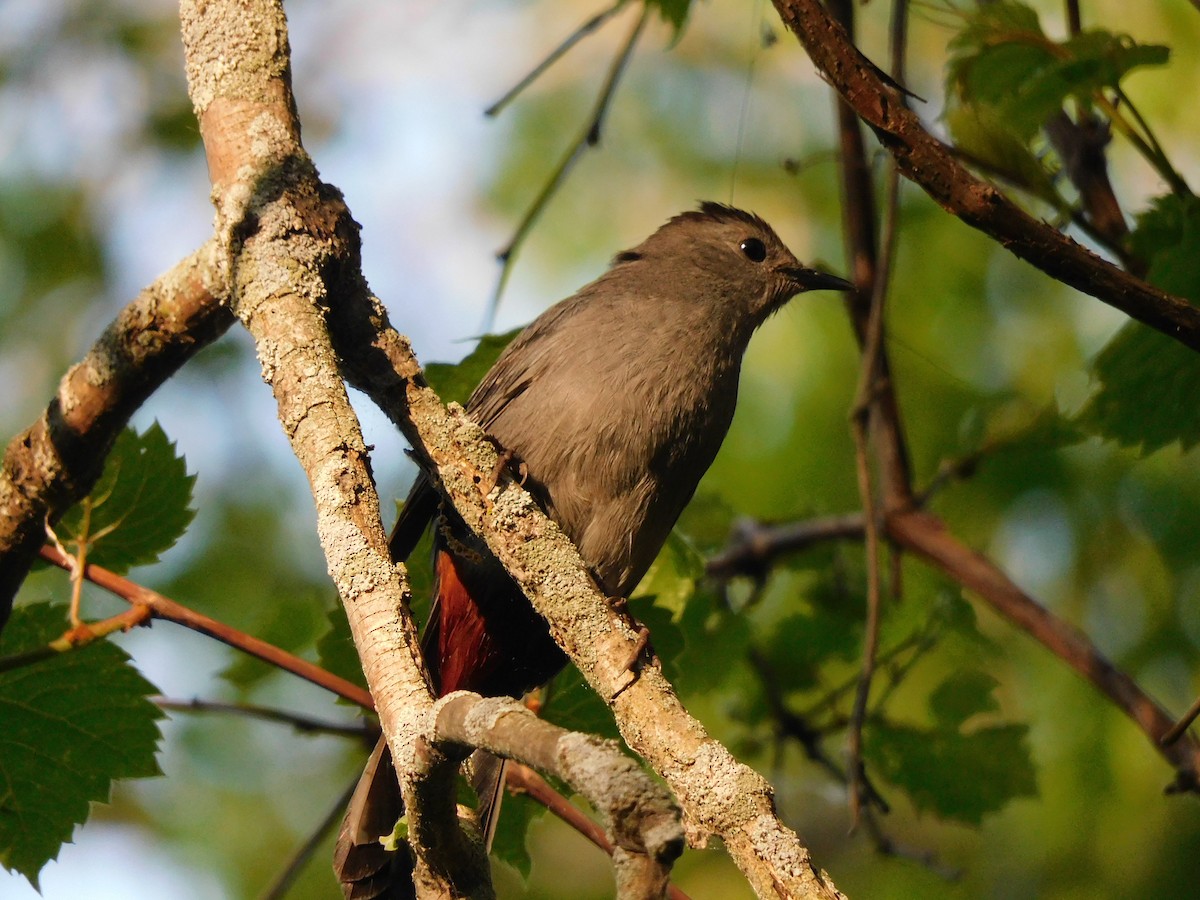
[454, 382]
[572, 704]
[672, 577]
[512, 832]
[956, 776]
[961, 696]
[987, 135]
[1148, 383]
[335, 649]
[802, 643]
[139, 507]
[69, 727]
[1167, 237]
[674, 12]
[1007, 79]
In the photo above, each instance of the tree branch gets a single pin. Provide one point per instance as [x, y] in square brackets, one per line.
[719, 795]
[54, 462]
[641, 819]
[930, 164]
[289, 242]
[165, 608]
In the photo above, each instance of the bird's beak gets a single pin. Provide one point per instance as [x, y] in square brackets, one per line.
[806, 279]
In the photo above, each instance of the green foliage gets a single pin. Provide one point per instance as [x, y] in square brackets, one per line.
[957, 699]
[454, 382]
[335, 649]
[1006, 80]
[571, 703]
[951, 769]
[957, 775]
[1147, 382]
[69, 727]
[510, 845]
[674, 12]
[139, 507]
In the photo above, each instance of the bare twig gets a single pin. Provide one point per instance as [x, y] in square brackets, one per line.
[292, 250]
[588, 137]
[642, 820]
[554, 56]
[923, 534]
[752, 546]
[522, 779]
[165, 608]
[301, 723]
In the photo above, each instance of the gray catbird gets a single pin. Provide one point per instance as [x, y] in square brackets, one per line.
[615, 401]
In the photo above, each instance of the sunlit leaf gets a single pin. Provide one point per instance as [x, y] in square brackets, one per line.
[69, 727]
[1147, 382]
[139, 507]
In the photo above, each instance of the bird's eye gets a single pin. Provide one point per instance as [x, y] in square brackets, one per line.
[754, 249]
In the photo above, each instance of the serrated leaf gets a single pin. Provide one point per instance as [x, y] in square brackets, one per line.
[139, 507]
[1007, 79]
[1147, 398]
[956, 776]
[512, 832]
[454, 382]
[803, 642]
[69, 727]
[961, 696]
[1148, 383]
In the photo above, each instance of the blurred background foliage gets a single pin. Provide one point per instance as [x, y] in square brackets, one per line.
[103, 186]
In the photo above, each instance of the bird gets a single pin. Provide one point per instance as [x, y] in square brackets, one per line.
[614, 402]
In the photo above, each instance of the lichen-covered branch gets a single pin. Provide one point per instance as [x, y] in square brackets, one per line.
[719, 795]
[54, 462]
[288, 242]
[642, 821]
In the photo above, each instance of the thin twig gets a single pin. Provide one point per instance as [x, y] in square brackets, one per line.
[1180, 728]
[282, 883]
[522, 779]
[81, 634]
[588, 137]
[752, 546]
[301, 723]
[554, 56]
[924, 159]
[1074, 21]
[165, 608]
[886, 845]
